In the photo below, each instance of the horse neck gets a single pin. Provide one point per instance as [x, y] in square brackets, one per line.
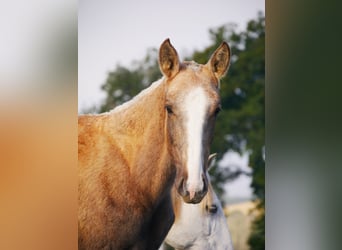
[140, 126]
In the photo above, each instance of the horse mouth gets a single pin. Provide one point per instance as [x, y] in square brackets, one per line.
[194, 200]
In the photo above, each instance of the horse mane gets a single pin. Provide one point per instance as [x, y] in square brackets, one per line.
[136, 99]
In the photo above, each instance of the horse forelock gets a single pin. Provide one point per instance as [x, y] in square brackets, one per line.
[193, 65]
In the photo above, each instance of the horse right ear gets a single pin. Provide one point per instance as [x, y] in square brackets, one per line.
[219, 61]
[168, 59]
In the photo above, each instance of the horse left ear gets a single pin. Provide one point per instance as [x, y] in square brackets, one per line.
[219, 61]
[211, 159]
[168, 59]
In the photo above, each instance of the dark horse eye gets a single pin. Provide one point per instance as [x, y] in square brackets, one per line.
[217, 110]
[211, 208]
[169, 109]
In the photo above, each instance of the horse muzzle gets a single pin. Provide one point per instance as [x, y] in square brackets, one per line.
[190, 194]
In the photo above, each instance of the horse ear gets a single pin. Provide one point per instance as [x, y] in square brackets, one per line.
[219, 61]
[211, 159]
[168, 59]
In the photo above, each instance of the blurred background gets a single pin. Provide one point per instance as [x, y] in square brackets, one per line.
[39, 69]
[118, 57]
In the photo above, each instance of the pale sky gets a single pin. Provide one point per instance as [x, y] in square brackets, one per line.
[119, 32]
[112, 32]
[240, 187]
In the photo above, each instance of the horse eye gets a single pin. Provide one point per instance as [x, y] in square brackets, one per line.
[211, 209]
[169, 109]
[217, 110]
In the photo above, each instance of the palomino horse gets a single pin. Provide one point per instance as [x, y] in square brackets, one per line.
[130, 157]
[200, 226]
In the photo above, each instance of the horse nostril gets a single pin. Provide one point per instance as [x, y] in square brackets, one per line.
[205, 185]
[211, 208]
[181, 187]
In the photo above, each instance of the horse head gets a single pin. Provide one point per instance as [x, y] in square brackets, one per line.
[192, 102]
[200, 226]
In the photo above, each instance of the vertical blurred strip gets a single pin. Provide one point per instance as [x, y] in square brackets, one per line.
[303, 125]
[38, 124]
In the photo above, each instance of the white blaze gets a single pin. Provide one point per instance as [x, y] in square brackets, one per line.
[196, 103]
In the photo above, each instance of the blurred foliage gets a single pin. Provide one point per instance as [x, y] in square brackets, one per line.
[240, 127]
[256, 240]
[122, 83]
